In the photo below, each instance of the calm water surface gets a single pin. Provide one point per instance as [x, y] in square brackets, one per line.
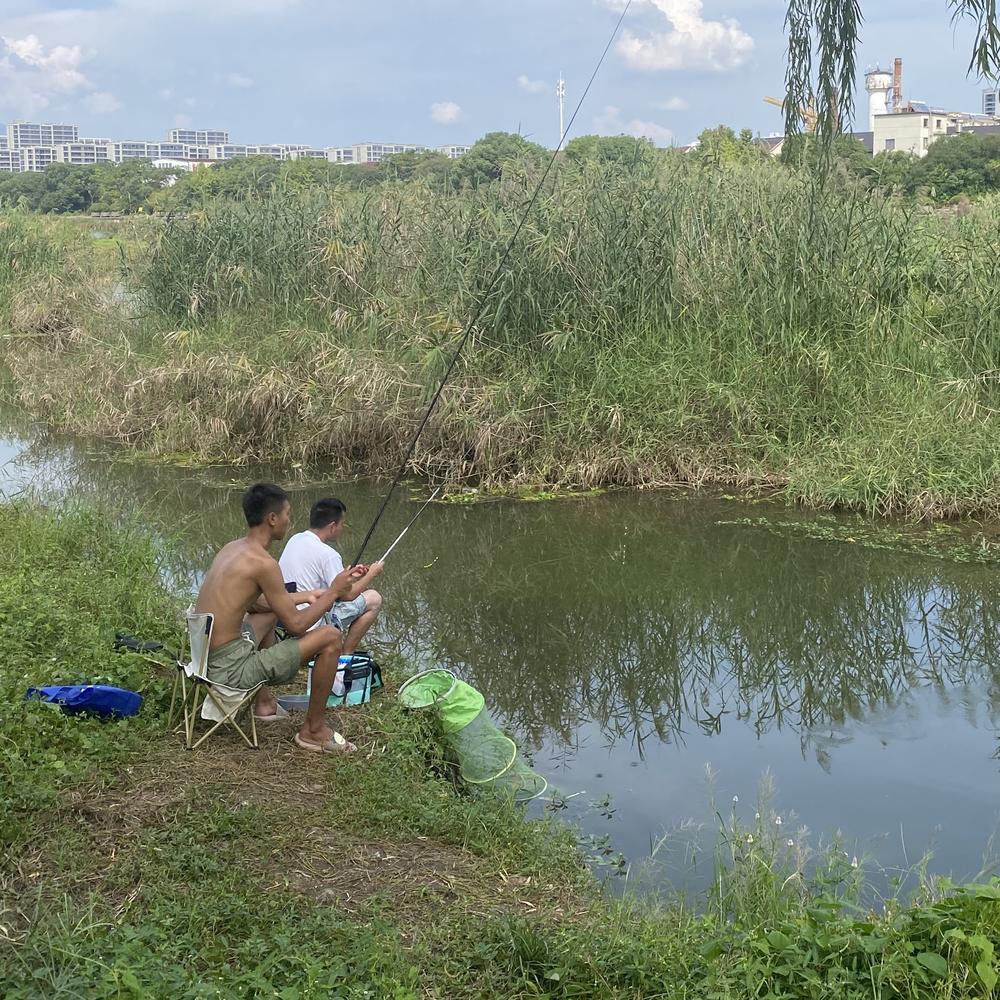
[635, 642]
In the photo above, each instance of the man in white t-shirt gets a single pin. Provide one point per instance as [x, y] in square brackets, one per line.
[310, 562]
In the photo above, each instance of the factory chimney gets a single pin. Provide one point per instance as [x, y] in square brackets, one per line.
[897, 85]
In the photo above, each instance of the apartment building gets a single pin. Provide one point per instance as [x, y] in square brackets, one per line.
[199, 137]
[34, 159]
[275, 152]
[37, 144]
[375, 152]
[133, 150]
[10, 161]
[340, 154]
[82, 152]
[22, 134]
[305, 153]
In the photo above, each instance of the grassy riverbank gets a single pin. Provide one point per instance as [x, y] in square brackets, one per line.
[657, 323]
[133, 869]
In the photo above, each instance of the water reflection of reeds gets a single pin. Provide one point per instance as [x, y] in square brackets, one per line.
[639, 612]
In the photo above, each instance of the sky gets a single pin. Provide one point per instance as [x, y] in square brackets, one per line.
[337, 72]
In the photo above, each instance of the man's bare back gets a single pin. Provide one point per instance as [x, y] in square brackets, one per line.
[231, 587]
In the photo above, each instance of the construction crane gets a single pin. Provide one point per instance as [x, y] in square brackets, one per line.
[807, 114]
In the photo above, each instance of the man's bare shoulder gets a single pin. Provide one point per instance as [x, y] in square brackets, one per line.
[242, 554]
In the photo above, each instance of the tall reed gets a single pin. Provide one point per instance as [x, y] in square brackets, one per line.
[656, 322]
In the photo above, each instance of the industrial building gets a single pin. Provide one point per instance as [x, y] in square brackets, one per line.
[912, 127]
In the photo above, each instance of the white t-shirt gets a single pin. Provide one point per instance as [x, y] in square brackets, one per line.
[309, 563]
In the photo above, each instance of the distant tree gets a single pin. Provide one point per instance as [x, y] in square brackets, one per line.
[126, 187]
[68, 188]
[721, 146]
[891, 171]
[848, 152]
[428, 165]
[609, 149]
[961, 164]
[301, 175]
[487, 159]
[21, 190]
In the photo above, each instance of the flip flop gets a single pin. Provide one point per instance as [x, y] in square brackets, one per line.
[279, 713]
[337, 745]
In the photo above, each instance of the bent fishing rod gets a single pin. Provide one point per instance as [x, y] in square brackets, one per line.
[413, 521]
[484, 298]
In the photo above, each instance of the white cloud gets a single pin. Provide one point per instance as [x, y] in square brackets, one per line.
[530, 86]
[33, 76]
[610, 122]
[445, 112]
[166, 93]
[239, 80]
[672, 104]
[691, 43]
[183, 121]
[190, 102]
[102, 103]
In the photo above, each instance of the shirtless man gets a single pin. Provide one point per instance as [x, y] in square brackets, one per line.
[244, 577]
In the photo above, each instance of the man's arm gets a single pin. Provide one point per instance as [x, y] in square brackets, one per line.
[282, 603]
[359, 586]
[261, 607]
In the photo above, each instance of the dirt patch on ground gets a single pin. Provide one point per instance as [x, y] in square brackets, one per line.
[297, 850]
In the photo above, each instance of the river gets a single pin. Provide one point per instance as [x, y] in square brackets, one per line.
[636, 643]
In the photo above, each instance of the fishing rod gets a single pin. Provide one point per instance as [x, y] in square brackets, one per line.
[399, 537]
[481, 306]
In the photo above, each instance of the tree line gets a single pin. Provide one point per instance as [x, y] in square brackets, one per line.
[964, 165]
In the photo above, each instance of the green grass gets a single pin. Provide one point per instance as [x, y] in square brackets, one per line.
[131, 869]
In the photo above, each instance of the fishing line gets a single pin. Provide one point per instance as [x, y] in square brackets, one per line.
[489, 288]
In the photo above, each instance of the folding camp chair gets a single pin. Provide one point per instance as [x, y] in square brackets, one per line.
[216, 702]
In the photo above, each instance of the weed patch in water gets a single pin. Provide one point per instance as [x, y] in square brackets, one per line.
[955, 543]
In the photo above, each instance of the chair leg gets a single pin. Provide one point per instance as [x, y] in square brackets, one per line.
[173, 700]
[253, 722]
[229, 718]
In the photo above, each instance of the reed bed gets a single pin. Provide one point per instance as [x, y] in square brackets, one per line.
[656, 323]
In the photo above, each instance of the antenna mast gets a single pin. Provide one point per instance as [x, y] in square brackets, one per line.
[561, 94]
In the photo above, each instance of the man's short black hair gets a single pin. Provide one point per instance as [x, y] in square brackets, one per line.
[325, 512]
[262, 499]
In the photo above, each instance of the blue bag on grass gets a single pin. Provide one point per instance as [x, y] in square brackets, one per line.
[101, 699]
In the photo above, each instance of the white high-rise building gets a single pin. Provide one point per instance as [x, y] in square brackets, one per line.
[82, 152]
[454, 152]
[10, 161]
[991, 103]
[275, 152]
[34, 159]
[375, 152]
[340, 154]
[133, 149]
[199, 136]
[21, 134]
[305, 153]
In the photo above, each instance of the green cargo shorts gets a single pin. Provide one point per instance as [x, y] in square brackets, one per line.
[239, 664]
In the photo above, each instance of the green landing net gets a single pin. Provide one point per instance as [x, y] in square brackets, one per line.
[486, 757]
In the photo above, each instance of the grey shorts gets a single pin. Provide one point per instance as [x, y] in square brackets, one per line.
[343, 613]
[239, 664]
